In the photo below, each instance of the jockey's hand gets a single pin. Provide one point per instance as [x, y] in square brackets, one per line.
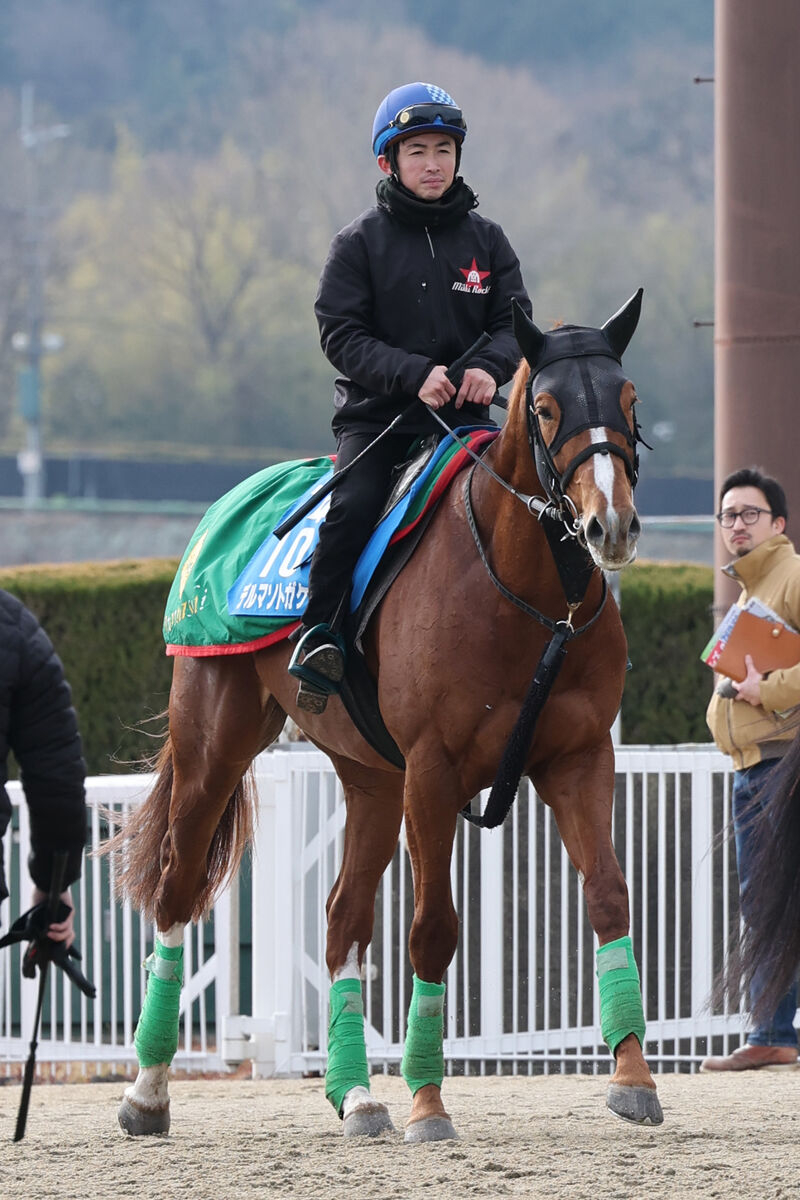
[750, 687]
[59, 931]
[477, 387]
[437, 388]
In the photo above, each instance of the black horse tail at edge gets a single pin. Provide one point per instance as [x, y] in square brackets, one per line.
[770, 944]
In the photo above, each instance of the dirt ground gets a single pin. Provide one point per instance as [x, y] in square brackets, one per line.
[723, 1136]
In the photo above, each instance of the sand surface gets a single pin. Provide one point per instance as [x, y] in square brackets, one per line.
[723, 1136]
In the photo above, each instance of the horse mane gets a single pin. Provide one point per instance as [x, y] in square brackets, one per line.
[517, 394]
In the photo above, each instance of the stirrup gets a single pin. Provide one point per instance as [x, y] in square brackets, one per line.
[322, 667]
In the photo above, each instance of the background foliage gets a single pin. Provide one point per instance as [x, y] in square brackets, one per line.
[216, 145]
[105, 622]
[666, 611]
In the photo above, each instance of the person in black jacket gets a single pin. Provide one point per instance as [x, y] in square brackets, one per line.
[407, 288]
[39, 726]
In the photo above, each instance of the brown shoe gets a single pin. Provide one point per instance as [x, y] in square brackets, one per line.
[753, 1058]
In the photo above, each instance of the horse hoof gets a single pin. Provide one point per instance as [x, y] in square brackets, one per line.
[369, 1120]
[639, 1105]
[139, 1121]
[431, 1129]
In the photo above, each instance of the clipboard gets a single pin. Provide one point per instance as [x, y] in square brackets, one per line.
[770, 644]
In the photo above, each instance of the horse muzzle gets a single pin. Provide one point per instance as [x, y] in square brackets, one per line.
[612, 538]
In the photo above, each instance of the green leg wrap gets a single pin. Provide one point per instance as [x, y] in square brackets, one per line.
[621, 1009]
[423, 1057]
[347, 1050]
[156, 1036]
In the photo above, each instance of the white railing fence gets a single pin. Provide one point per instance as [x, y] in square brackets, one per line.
[521, 993]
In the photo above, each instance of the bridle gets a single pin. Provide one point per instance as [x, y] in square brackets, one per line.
[579, 345]
[584, 344]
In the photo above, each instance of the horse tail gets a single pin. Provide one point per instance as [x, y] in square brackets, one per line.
[770, 944]
[135, 846]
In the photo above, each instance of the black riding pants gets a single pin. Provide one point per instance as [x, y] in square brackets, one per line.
[356, 504]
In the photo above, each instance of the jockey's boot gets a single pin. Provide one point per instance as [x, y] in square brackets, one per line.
[318, 662]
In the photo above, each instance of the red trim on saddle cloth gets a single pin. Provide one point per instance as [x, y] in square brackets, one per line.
[261, 643]
[456, 464]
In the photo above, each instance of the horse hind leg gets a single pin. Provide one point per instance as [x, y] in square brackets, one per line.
[218, 724]
[145, 1104]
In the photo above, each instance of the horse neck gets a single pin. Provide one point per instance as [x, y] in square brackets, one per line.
[512, 536]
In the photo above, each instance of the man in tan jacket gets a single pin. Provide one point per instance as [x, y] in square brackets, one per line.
[754, 721]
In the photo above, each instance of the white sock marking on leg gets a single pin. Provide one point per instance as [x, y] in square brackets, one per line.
[350, 969]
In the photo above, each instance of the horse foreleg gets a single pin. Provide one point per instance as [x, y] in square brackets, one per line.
[430, 830]
[145, 1105]
[580, 791]
[374, 812]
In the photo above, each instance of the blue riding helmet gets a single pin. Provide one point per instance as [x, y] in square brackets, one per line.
[423, 107]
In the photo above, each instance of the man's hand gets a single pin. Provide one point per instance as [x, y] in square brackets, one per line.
[437, 388]
[477, 387]
[59, 931]
[750, 687]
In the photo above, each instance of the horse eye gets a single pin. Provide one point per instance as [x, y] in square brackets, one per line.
[544, 413]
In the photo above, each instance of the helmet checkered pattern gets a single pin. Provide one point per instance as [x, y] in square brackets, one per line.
[439, 95]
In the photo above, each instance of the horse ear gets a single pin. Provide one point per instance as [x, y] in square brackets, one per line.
[620, 328]
[531, 339]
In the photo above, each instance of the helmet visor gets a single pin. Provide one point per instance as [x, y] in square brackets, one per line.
[429, 114]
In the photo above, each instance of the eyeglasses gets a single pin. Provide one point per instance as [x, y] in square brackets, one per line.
[727, 519]
[429, 114]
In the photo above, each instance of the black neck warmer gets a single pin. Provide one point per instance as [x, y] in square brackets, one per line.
[457, 201]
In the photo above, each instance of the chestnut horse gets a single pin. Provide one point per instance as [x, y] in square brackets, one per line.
[452, 649]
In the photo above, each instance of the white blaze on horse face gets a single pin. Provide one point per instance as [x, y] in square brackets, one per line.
[603, 465]
[350, 969]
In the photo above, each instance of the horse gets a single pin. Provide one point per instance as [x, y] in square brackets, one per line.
[767, 950]
[451, 648]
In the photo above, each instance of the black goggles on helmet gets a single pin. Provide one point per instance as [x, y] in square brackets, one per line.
[428, 114]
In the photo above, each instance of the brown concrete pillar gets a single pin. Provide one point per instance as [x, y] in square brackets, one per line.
[757, 282]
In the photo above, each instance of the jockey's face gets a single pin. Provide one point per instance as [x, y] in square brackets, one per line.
[426, 164]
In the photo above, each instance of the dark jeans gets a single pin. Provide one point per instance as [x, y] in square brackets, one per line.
[779, 1030]
[356, 504]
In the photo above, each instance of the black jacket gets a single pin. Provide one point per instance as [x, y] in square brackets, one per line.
[394, 300]
[38, 723]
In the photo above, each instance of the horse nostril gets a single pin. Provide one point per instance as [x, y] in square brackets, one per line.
[595, 533]
[634, 529]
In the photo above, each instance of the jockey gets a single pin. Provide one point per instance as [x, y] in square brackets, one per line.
[406, 289]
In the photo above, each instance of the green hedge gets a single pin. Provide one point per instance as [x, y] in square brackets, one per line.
[666, 611]
[105, 622]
